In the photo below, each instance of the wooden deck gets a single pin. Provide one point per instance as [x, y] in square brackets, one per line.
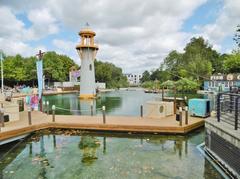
[113, 123]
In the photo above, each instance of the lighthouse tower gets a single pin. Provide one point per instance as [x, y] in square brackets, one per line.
[87, 51]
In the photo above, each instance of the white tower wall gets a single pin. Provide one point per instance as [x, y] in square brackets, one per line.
[87, 78]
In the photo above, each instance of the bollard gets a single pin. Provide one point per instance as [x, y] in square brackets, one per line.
[91, 110]
[44, 109]
[29, 116]
[186, 115]
[47, 107]
[180, 116]
[141, 110]
[104, 115]
[53, 113]
[2, 118]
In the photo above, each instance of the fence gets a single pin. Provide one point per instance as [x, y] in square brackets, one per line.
[228, 107]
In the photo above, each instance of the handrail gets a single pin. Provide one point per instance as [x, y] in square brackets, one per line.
[226, 107]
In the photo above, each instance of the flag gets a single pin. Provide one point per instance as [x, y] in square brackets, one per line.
[40, 77]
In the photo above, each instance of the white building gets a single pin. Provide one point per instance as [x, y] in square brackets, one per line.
[133, 79]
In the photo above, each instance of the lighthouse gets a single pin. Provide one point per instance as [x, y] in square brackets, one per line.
[87, 50]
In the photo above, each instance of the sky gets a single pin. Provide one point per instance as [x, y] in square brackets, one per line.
[132, 34]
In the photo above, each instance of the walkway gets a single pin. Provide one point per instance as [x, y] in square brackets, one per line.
[113, 123]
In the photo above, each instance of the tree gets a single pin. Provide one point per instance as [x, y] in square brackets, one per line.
[173, 63]
[237, 36]
[145, 76]
[110, 74]
[232, 63]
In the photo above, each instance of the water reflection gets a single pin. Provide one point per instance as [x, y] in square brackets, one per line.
[48, 153]
[88, 145]
[117, 103]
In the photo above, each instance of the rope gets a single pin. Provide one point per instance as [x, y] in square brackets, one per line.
[75, 110]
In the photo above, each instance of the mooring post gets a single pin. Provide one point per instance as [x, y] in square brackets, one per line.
[2, 118]
[91, 110]
[162, 93]
[44, 109]
[29, 116]
[104, 114]
[180, 116]
[141, 110]
[53, 113]
[47, 107]
[186, 115]
[175, 100]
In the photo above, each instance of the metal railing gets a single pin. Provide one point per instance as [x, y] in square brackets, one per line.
[228, 108]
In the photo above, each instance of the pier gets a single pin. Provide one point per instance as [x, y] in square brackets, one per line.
[39, 120]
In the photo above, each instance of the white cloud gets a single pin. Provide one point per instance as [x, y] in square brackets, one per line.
[136, 35]
[43, 24]
[225, 24]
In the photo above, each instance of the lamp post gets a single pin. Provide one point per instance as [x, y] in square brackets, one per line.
[1, 58]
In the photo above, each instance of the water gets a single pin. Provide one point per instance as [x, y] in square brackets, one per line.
[105, 155]
[117, 103]
[76, 154]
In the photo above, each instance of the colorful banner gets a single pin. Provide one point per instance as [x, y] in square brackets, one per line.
[40, 77]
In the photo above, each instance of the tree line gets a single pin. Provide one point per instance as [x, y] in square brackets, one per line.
[22, 70]
[195, 64]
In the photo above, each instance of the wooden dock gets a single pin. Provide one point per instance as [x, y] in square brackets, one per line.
[167, 125]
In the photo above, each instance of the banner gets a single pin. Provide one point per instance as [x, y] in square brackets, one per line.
[40, 77]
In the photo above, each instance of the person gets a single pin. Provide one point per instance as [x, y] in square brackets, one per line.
[34, 102]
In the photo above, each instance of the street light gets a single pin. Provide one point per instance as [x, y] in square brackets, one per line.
[1, 58]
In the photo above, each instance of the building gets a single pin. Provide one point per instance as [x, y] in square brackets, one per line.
[133, 79]
[87, 50]
[222, 82]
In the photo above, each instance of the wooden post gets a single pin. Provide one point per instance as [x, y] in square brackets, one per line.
[104, 114]
[2, 118]
[53, 113]
[47, 107]
[91, 110]
[162, 93]
[44, 109]
[180, 116]
[41, 105]
[29, 116]
[141, 110]
[175, 100]
[186, 115]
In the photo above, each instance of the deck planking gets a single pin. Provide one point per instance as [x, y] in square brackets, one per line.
[166, 125]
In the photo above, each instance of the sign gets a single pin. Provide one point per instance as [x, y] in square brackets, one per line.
[229, 77]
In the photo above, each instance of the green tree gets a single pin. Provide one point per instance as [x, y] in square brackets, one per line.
[237, 36]
[232, 63]
[173, 63]
[145, 76]
[110, 74]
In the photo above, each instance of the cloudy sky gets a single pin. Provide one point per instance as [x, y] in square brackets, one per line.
[133, 34]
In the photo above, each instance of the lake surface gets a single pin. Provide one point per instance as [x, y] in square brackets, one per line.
[117, 102]
[77, 154]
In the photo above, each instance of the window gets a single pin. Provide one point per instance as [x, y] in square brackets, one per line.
[90, 67]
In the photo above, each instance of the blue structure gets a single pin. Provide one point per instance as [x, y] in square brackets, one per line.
[199, 107]
[221, 82]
